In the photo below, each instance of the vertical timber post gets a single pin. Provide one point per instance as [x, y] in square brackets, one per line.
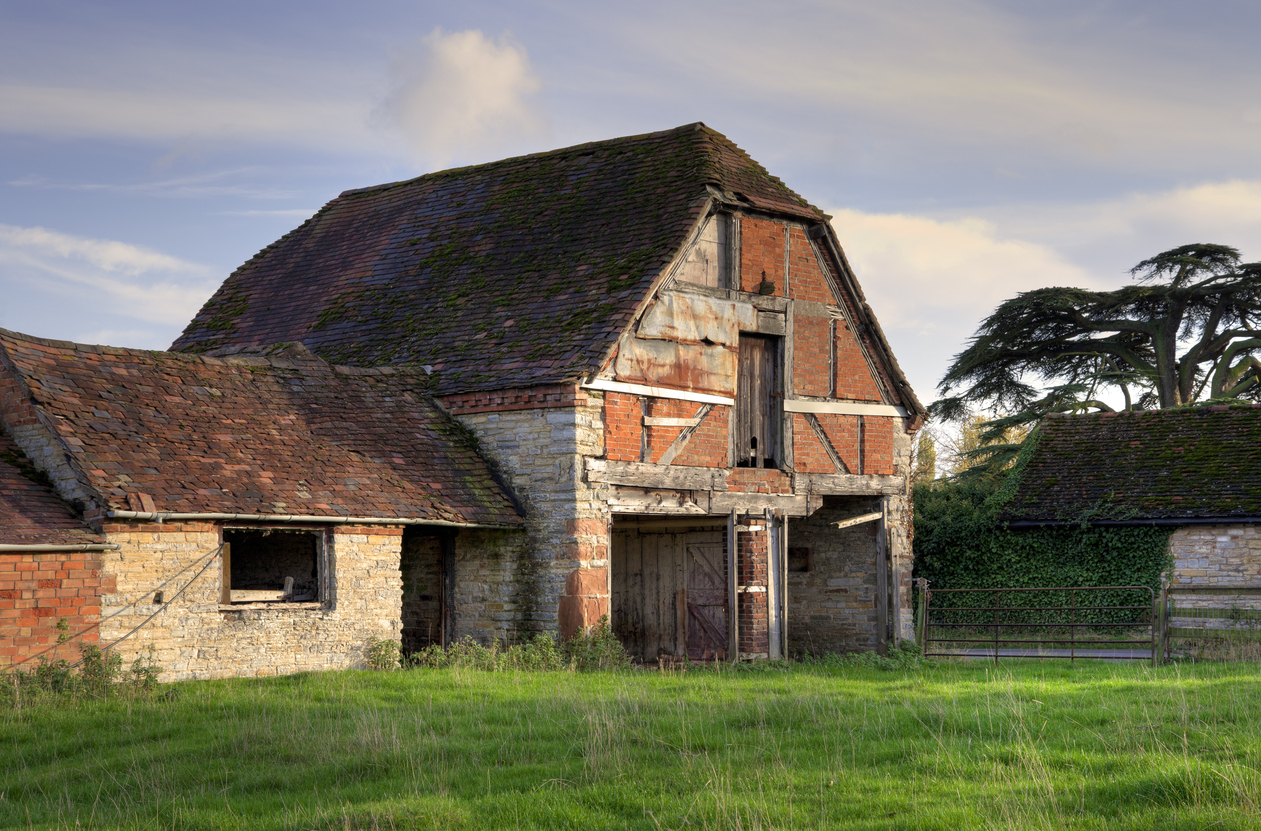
[448, 588]
[733, 622]
[882, 587]
[225, 574]
[783, 585]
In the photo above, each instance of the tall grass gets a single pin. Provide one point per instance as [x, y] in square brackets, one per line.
[908, 744]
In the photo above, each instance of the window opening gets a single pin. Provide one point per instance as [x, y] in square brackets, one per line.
[758, 403]
[799, 559]
[272, 566]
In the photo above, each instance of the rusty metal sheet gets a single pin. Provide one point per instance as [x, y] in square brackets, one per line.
[683, 366]
[693, 318]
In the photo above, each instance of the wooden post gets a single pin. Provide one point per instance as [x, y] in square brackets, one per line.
[783, 585]
[733, 601]
[225, 574]
[447, 603]
[921, 614]
[882, 589]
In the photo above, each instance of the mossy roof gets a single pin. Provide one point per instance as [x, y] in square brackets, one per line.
[1185, 463]
[279, 433]
[31, 512]
[519, 272]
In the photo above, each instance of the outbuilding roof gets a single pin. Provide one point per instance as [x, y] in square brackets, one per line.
[278, 434]
[514, 273]
[1192, 464]
[31, 512]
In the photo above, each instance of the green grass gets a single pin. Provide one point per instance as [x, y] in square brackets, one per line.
[943, 746]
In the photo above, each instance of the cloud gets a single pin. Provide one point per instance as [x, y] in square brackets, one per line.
[173, 115]
[197, 186]
[932, 279]
[462, 95]
[931, 282]
[69, 284]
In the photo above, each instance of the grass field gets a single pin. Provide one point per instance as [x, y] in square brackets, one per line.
[941, 746]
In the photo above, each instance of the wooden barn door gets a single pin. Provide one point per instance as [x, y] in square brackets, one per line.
[706, 596]
[669, 594]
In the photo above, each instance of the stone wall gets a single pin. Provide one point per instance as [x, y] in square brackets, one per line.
[540, 451]
[197, 637]
[1205, 555]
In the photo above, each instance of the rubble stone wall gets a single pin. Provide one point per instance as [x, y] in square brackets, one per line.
[197, 637]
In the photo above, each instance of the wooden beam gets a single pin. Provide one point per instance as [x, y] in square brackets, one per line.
[799, 405]
[662, 421]
[733, 605]
[225, 574]
[859, 520]
[792, 504]
[656, 392]
[849, 484]
[882, 591]
[819, 434]
[639, 474]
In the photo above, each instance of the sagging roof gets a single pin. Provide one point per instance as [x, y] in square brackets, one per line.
[31, 512]
[284, 434]
[1194, 464]
[515, 273]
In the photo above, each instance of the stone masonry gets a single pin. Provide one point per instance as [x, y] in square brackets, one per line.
[197, 637]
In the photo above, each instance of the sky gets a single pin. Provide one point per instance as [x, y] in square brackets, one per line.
[966, 150]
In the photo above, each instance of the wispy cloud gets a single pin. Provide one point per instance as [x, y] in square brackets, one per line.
[79, 279]
[931, 280]
[463, 95]
[197, 186]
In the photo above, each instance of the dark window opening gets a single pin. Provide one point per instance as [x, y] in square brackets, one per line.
[758, 400]
[799, 559]
[264, 565]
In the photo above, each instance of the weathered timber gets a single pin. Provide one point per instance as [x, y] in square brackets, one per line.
[639, 474]
[225, 574]
[639, 500]
[790, 504]
[849, 484]
[859, 520]
[663, 421]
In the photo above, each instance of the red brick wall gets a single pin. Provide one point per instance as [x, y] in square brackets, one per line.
[759, 480]
[761, 249]
[808, 454]
[708, 446]
[853, 374]
[660, 438]
[623, 423]
[751, 565]
[878, 432]
[806, 279]
[811, 355]
[39, 589]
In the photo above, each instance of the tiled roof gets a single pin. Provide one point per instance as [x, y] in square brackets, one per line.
[256, 435]
[1192, 463]
[514, 273]
[30, 511]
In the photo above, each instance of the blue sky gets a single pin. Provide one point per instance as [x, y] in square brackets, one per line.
[968, 150]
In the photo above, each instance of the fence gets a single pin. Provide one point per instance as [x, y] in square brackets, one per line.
[1211, 622]
[1112, 622]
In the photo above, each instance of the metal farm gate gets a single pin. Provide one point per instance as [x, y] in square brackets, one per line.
[1111, 622]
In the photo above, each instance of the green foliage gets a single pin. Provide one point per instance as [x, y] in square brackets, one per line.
[598, 649]
[383, 654]
[961, 543]
[97, 674]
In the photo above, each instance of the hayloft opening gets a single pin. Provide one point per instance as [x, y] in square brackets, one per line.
[265, 565]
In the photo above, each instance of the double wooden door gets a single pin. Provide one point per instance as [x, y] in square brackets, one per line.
[670, 594]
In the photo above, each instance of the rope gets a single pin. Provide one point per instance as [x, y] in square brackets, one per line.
[102, 621]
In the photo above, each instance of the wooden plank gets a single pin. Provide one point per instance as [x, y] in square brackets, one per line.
[662, 421]
[632, 500]
[773, 586]
[638, 474]
[656, 392]
[794, 504]
[801, 405]
[680, 621]
[859, 520]
[676, 447]
[225, 574]
[849, 484]
[783, 585]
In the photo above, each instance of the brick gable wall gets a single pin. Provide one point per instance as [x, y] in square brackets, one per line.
[40, 589]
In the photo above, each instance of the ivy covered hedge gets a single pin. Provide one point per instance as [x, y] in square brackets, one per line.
[961, 543]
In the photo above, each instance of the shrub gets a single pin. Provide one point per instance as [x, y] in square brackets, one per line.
[383, 654]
